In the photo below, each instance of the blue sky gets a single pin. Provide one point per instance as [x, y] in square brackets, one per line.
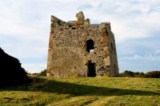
[25, 27]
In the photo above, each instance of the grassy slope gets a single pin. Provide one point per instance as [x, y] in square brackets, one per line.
[84, 91]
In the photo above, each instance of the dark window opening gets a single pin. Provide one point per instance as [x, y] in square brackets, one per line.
[91, 69]
[90, 45]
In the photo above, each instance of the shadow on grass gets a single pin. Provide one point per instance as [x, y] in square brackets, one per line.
[53, 86]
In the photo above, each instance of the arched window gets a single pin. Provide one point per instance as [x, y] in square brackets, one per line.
[90, 46]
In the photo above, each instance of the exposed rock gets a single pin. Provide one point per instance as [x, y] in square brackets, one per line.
[11, 72]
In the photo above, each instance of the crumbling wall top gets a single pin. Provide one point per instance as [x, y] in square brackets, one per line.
[56, 20]
[81, 21]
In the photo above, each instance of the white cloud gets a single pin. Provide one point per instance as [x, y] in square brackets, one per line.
[147, 57]
[34, 68]
[28, 22]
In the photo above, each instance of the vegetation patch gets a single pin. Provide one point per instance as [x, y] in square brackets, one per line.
[99, 91]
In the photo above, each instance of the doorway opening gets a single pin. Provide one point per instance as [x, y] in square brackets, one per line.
[90, 46]
[91, 69]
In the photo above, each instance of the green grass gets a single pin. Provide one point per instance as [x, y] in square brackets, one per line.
[84, 92]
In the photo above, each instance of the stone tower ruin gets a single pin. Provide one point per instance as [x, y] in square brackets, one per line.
[78, 48]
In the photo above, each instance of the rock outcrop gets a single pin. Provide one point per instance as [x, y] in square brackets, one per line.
[11, 72]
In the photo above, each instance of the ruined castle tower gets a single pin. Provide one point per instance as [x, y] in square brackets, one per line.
[78, 48]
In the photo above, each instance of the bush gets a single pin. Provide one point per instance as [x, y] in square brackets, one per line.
[131, 74]
[153, 74]
[139, 74]
[127, 74]
[11, 72]
[150, 74]
[43, 72]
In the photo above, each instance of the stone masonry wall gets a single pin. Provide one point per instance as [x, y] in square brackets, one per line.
[68, 55]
